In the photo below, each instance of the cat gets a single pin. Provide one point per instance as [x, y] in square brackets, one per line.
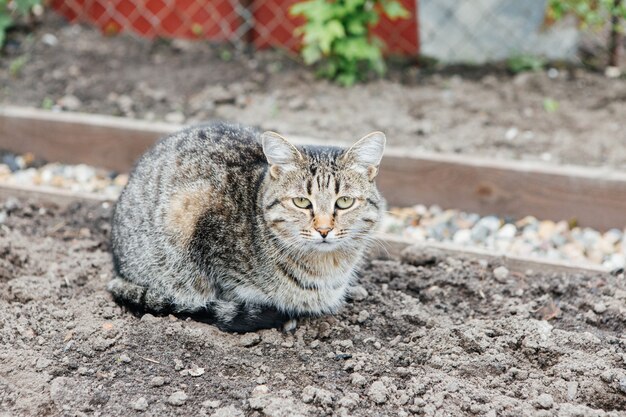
[244, 230]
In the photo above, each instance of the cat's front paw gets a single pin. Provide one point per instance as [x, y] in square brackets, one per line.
[290, 325]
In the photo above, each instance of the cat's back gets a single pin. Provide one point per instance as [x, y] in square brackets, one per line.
[214, 168]
[203, 151]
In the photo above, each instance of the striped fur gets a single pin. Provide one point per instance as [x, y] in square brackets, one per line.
[207, 227]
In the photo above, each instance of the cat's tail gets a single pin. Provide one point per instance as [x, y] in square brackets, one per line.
[229, 316]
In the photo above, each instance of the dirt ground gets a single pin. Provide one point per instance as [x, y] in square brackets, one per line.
[567, 115]
[423, 336]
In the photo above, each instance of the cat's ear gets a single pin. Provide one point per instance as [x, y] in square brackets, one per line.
[280, 153]
[365, 155]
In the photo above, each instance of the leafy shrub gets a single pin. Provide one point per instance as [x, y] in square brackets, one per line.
[594, 14]
[337, 36]
[12, 9]
[590, 13]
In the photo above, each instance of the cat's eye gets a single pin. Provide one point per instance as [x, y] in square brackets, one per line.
[344, 202]
[302, 202]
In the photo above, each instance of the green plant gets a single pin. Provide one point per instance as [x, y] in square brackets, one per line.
[12, 9]
[594, 14]
[550, 105]
[521, 63]
[17, 65]
[337, 36]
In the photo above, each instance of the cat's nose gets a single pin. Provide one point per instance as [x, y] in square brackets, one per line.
[323, 231]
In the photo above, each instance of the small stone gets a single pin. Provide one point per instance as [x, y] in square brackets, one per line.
[553, 73]
[572, 390]
[452, 387]
[125, 103]
[591, 317]
[349, 401]
[230, 411]
[378, 392]
[358, 379]
[501, 274]
[511, 133]
[43, 363]
[260, 390]
[157, 381]
[599, 307]
[612, 72]
[140, 405]
[462, 237]
[211, 403]
[177, 399]
[508, 231]
[544, 401]
[196, 371]
[175, 117]
[178, 364]
[49, 39]
[363, 316]
[69, 102]
[249, 339]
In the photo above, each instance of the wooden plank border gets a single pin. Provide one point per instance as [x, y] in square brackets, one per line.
[595, 197]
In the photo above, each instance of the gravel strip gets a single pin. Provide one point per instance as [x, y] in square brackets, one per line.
[547, 239]
[553, 240]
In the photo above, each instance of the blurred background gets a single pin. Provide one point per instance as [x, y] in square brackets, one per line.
[538, 79]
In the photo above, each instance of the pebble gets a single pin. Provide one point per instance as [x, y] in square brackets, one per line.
[544, 401]
[230, 411]
[140, 405]
[177, 399]
[501, 274]
[69, 102]
[572, 390]
[378, 392]
[362, 317]
[211, 403]
[249, 339]
[157, 381]
[175, 117]
[599, 308]
[317, 395]
[358, 379]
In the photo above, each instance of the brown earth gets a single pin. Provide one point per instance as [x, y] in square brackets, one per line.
[443, 338]
[576, 117]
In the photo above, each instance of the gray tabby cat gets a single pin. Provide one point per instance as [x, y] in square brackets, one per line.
[244, 230]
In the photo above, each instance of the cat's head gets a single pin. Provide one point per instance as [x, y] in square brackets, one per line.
[322, 198]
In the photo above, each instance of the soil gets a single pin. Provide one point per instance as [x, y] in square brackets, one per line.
[565, 115]
[422, 335]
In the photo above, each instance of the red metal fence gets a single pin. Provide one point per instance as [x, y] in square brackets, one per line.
[262, 23]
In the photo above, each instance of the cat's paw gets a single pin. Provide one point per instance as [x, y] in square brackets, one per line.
[290, 325]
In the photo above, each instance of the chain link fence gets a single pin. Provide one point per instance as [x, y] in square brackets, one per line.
[240, 22]
[448, 30]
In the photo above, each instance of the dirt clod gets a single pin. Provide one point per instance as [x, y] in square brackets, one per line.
[177, 398]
